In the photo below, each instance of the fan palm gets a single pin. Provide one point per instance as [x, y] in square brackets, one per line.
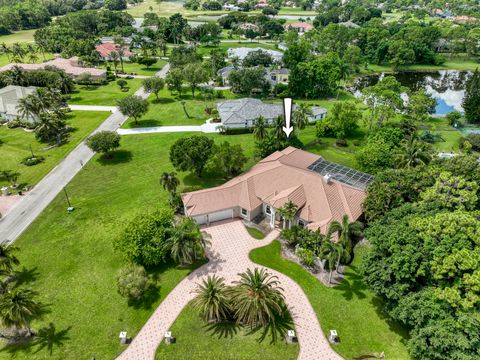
[301, 115]
[186, 243]
[7, 258]
[346, 231]
[18, 308]
[170, 182]
[412, 153]
[257, 298]
[212, 299]
[260, 128]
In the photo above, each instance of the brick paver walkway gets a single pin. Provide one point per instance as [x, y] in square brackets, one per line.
[228, 254]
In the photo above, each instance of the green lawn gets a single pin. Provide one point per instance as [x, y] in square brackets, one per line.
[255, 233]
[131, 67]
[18, 37]
[456, 63]
[16, 146]
[104, 94]
[350, 308]
[205, 49]
[199, 340]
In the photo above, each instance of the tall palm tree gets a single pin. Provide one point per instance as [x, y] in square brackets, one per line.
[186, 243]
[278, 125]
[18, 308]
[260, 128]
[412, 153]
[115, 59]
[212, 299]
[346, 231]
[170, 182]
[4, 49]
[301, 115]
[288, 212]
[7, 258]
[257, 298]
[332, 253]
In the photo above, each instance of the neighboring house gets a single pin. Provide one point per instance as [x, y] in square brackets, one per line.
[110, 39]
[248, 26]
[230, 7]
[322, 191]
[349, 24]
[301, 27]
[277, 76]
[464, 19]
[72, 67]
[105, 51]
[242, 113]
[9, 99]
[242, 52]
[225, 72]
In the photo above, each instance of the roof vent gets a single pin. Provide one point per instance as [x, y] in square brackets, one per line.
[328, 178]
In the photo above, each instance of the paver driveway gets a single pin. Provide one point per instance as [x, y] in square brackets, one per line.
[228, 254]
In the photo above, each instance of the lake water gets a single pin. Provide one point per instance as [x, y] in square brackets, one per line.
[446, 86]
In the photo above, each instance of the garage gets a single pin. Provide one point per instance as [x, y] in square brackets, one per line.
[215, 216]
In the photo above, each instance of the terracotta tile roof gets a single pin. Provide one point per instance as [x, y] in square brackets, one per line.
[277, 179]
[300, 25]
[70, 66]
[106, 49]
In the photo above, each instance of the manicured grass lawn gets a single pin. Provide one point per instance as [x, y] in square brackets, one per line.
[16, 146]
[255, 233]
[199, 340]
[459, 63]
[18, 37]
[103, 94]
[350, 308]
[131, 67]
[205, 50]
[69, 258]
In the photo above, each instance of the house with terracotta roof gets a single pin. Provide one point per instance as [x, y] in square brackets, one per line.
[105, 50]
[322, 192]
[301, 27]
[72, 66]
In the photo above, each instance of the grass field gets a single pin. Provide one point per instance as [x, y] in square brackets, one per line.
[131, 67]
[455, 63]
[350, 307]
[205, 50]
[16, 146]
[198, 340]
[104, 94]
[21, 36]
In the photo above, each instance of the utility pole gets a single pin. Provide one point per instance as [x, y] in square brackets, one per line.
[70, 207]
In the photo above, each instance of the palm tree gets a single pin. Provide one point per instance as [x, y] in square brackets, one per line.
[412, 153]
[8, 258]
[120, 47]
[278, 125]
[186, 243]
[257, 298]
[301, 115]
[4, 49]
[115, 59]
[18, 308]
[260, 128]
[332, 253]
[346, 231]
[170, 182]
[212, 299]
[288, 212]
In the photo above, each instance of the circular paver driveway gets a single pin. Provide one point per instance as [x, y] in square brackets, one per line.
[228, 253]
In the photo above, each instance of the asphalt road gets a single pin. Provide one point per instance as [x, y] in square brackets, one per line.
[34, 202]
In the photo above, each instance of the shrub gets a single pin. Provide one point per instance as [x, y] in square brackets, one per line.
[238, 131]
[473, 139]
[12, 124]
[104, 141]
[33, 160]
[306, 256]
[453, 118]
[325, 128]
[133, 282]
[219, 94]
[356, 142]
[341, 142]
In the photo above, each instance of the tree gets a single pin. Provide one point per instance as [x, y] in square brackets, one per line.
[122, 83]
[297, 52]
[246, 81]
[257, 298]
[346, 232]
[147, 61]
[257, 58]
[260, 128]
[153, 85]
[7, 258]
[471, 101]
[175, 79]
[344, 117]
[194, 74]
[288, 212]
[185, 242]
[375, 156]
[115, 4]
[301, 115]
[170, 183]
[177, 27]
[212, 299]
[277, 129]
[332, 253]
[229, 159]
[400, 53]
[133, 282]
[51, 128]
[420, 106]
[18, 308]
[412, 153]
[143, 239]
[104, 142]
[191, 153]
[133, 106]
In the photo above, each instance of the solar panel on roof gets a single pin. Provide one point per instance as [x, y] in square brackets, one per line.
[342, 173]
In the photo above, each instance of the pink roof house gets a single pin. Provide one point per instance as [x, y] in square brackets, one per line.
[105, 51]
[301, 27]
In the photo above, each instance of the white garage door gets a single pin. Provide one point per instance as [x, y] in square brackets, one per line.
[220, 215]
[202, 219]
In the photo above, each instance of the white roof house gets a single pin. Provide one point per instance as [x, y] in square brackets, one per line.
[9, 98]
[241, 53]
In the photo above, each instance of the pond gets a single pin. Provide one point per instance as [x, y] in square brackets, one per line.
[446, 86]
